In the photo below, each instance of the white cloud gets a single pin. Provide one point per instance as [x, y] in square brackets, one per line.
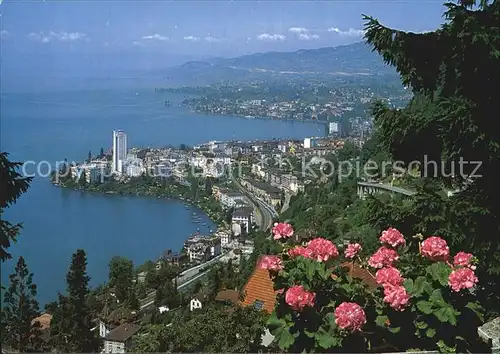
[156, 37]
[308, 37]
[213, 39]
[4, 33]
[351, 32]
[59, 36]
[139, 44]
[192, 38]
[271, 37]
[298, 30]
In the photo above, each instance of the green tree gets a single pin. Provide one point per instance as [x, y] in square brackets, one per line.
[454, 100]
[19, 308]
[73, 320]
[121, 275]
[218, 330]
[12, 186]
[101, 153]
[89, 158]
[150, 339]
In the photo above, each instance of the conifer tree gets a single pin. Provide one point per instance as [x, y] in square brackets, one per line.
[454, 73]
[73, 320]
[12, 186]
[19, 309]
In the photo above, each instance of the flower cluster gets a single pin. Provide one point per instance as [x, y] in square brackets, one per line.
[396, 296]
[350, 316]
[298, 298]
[272, 263]
[319, 249]
[392, 237]
[322, 249]
[435, 249]
[383, 257]
[389, 276]
[352, 250]
[463, 259]
[282, 230]
[462, 278]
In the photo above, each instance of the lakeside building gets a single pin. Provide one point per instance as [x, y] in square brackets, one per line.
[119, 150]
[243, 217]
[229, 198]
[202, 248]
[119, 339]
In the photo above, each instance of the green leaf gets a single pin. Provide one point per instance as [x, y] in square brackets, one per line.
[439, 272]
[431, 332]
[437, 298]
[408, 284]
[394, 329]
[382, 321]
[286, 339]
[420, 286]
[421, 324]
[425, 307]
[275, 323]
[445, 348]
[325, 340]
[446, 314]
[477, 309]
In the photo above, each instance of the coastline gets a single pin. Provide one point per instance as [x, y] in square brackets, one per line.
[324, 122]
[214, 215]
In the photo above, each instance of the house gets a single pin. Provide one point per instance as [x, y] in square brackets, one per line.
[103, 329]
[194, 304]
[163, 309]
[228, 297]
[120, 338]
[259, 291]
[243, 216]
[225, 238]
[229, 198]
[44, 321]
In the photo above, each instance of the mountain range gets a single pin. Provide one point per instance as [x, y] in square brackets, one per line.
[349, 60]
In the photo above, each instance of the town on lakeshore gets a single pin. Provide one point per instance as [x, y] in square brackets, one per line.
[354, 210]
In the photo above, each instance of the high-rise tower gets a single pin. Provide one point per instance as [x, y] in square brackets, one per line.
[119, 150]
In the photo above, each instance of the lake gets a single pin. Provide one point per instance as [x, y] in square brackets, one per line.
[52, 126]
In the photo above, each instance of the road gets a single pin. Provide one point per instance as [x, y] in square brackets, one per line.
[150, 299]
[264, 212]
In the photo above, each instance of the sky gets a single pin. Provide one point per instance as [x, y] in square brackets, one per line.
[94, 36]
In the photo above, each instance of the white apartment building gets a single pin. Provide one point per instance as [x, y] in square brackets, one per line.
[243, 217]
[119, 150]
[119, 339]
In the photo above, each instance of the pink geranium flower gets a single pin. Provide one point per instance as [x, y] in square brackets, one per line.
[435, 249]
[463, 259]
[462, 278]
[396, 296]
[322, 249]
[282, 230]
[392, 237]
[389, 276]
[352, 250]
[272, 263]
[383, 257]
[350, 316]
[298, 298]
[300, 251]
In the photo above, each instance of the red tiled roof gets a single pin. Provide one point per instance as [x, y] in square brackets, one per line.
[355, 271]
[44, 320]
[260, 287]
[228, 295]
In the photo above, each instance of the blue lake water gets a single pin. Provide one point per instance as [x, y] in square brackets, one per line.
[53, 126]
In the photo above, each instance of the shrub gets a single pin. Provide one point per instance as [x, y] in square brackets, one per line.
[327, 301]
